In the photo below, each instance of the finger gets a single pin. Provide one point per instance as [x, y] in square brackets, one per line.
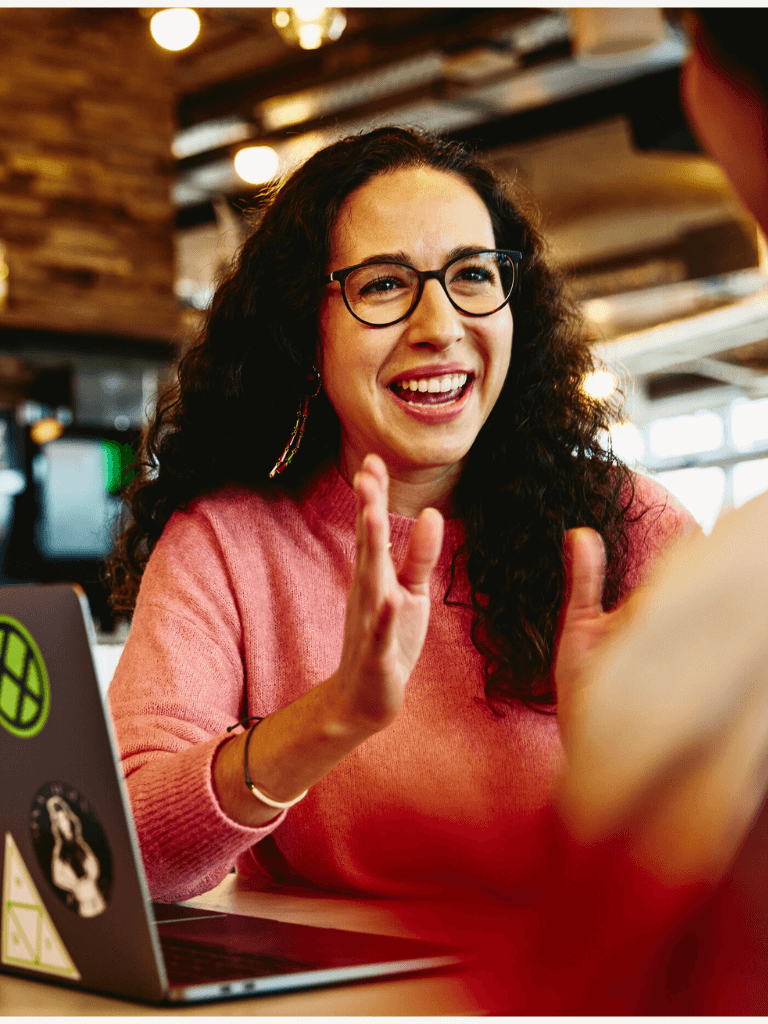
[367, 484]
[363, 500]
[585, 563]
[374, 569]
[375, 465]
[423, 551]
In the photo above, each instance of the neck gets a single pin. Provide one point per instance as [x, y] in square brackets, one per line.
[411, 490]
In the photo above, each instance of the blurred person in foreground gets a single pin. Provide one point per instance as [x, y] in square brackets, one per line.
[660, 896]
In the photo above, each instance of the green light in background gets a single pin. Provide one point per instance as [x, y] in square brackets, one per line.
[116, 458]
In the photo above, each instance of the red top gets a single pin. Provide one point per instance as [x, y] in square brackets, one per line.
[245, 591]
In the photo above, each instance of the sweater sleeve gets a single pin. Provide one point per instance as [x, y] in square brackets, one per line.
[179, 684]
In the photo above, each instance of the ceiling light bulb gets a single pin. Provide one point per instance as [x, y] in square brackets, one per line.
[309, 25]
[310, 13]
[256, 164]
[175, 28]
[600, 384]
[310, 36]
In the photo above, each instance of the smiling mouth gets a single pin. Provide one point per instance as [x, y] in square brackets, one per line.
[432, 390]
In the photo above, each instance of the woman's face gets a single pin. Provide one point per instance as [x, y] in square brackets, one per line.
[418, 216]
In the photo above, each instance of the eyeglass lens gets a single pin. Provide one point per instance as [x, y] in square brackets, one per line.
[381, 293]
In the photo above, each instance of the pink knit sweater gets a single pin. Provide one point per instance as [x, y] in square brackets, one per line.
[249, 591]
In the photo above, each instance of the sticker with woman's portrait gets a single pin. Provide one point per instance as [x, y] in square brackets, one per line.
[71, 848]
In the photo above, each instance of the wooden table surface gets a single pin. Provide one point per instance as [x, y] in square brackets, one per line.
[446, 993]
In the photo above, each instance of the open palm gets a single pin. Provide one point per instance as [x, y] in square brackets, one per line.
[387, 611]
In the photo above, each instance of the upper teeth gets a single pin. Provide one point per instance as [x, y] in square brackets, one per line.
[434, 384]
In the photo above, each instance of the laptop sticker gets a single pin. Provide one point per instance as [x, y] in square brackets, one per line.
[71, 848]
[24, 689]
[29, 937]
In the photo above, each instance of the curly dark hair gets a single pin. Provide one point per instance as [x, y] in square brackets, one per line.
[537, 468]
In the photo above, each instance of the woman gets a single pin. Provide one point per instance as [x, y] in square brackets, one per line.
[401, 668]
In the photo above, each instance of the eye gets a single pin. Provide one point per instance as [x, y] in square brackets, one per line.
[378, 283]
[384, 283]
[476, 273]
[473, 273]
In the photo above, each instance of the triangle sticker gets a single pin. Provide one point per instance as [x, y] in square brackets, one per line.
[27, 920]
[53, 956]
[18, 946]
[17, 888]
[29, 936]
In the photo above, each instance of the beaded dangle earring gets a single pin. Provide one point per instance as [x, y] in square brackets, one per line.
[298, 431]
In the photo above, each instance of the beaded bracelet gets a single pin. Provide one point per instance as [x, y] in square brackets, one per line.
[277, 804]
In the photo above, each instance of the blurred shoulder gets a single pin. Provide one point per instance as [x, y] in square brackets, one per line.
[651, 497]
[655, 521]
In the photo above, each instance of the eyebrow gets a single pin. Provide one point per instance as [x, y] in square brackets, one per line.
[403, 257]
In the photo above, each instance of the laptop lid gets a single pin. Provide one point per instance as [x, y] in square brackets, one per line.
[76, 908]
[75, 903]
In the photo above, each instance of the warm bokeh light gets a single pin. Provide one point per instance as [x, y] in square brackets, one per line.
[175, 28]
[600, 384]
[310, 36]
[257, 164]
[309, 25]
[46, 430]
[309, 13]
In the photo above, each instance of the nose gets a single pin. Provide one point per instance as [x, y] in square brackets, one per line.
[434, 322]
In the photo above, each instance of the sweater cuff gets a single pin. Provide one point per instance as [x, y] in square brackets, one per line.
[188, 843]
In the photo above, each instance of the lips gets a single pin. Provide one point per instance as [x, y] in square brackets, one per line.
[427, 402]
[431, 372]
[434, 385]
[431, 390]
[438, 391]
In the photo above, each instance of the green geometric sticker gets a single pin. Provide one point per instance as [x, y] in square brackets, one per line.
[24, 690]
[29, 937]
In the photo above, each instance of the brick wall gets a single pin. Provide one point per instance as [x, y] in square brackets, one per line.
[86, 123]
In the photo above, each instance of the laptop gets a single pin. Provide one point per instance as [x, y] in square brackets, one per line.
[76, 908]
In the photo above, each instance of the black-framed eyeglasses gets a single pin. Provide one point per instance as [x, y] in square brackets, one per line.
[380, 294]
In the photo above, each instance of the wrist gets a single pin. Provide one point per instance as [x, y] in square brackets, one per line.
[350, 717]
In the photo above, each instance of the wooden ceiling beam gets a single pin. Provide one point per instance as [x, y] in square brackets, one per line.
[389, 37]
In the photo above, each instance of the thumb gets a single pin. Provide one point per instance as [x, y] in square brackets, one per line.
[423, 550]
[585, 563]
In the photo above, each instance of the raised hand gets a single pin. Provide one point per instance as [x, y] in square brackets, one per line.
[387, 611]
[667, 739]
